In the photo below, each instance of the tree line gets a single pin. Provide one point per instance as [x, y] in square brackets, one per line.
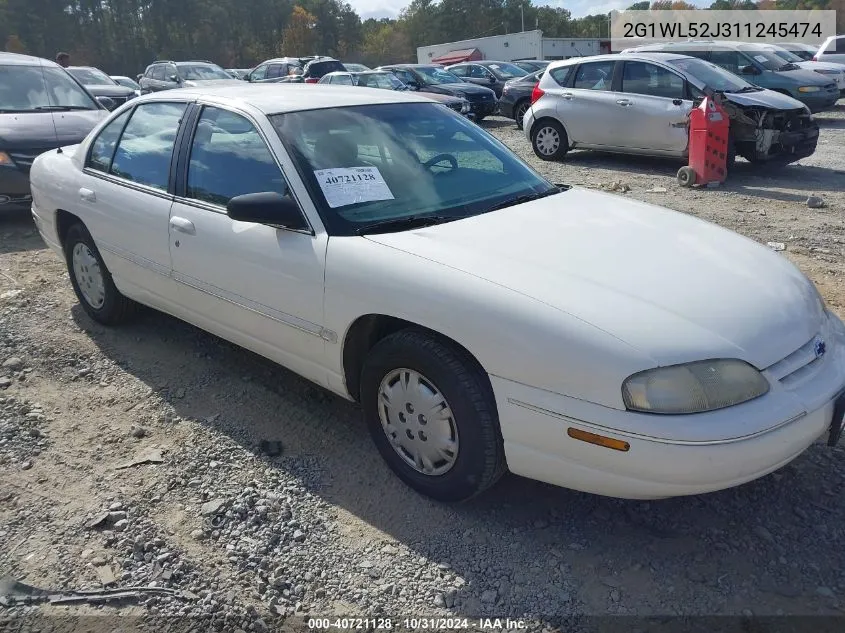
[123, 36]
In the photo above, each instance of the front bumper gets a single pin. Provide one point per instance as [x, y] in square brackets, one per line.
[819, 101]
[697, 454]
[14, 190]
[481, 108]
[506, 104]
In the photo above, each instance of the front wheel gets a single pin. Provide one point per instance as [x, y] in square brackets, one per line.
[92, 282]
[549, 140]
[431, 413]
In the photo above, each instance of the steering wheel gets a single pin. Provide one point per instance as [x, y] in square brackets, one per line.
[453, 162]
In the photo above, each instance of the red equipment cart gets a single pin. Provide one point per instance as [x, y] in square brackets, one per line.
[708, 145]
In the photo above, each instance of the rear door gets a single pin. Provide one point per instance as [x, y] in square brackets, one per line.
[589, 108]
[655, 108]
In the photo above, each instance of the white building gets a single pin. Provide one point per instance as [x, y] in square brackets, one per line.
[512, 47]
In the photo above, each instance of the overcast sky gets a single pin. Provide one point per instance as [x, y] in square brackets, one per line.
[578, 8]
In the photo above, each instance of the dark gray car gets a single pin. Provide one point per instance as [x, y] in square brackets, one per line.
[166, 75]
[489, 74]
[42, 107]
[516, 96]
[100, 84]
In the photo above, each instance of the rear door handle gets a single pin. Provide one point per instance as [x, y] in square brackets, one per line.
[623, 102]
[566, 95]
[87, 195]
[183, 225]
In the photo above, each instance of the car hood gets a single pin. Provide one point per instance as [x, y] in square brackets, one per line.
[765, 98]
[672, 286]
[804, 77]
[812, 66]
[106, 90]
[47, 129]
[438, 97]
[213, 82]
[466, 88]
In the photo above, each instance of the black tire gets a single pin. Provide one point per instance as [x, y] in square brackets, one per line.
[542, 127]
[115, 308]
[480, 459]
[519, 111]
[686, 176]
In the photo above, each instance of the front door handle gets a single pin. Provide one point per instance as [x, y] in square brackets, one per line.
[87, 195]
[183, 225]
[623, 102]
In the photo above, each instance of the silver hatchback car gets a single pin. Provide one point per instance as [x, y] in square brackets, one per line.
[639, 103]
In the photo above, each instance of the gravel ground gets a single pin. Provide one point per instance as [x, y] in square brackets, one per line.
[259, 497]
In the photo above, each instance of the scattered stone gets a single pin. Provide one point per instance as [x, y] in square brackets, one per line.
[5, 382]
[198, 535]
[121, 525]
[816, 202]
[440, 601]
[298, 536]
[489, 596]
[106, 575]
[26, 465]
[776, 246]
[138, 432]
[615, 596]
[14, 363]
[212, 507]
[826, 592]
[657, 189]
[180, 393]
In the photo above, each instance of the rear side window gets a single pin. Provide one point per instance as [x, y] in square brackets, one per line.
[102, 149]
[594, 76]
[318, 69]
[460, 71]
[274, 70]
[344, 80]
[839, 42]
[729, 60]
[561, 75]
[146, 147]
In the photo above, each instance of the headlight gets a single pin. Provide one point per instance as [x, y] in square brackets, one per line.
[809, 89]
[465, 106]
[693, 387]
[461, 95]
[6, 160]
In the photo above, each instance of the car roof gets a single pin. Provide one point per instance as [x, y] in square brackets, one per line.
[281, 98]
[16, 59]
[655, 56]
[83, 67]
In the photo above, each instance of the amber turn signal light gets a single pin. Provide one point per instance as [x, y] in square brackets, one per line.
[598, 440]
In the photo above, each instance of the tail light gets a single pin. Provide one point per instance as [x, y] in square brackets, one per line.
[536, 93]
[312, 80]
[815, 58]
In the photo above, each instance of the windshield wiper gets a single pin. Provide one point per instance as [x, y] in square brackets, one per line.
[408, 222]
[789, 66]
[510, 202]
[746, 89]
[60, 108]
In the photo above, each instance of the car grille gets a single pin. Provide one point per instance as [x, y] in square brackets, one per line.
[480, 97]
[23, 158]
[457, 107]
[799, 365]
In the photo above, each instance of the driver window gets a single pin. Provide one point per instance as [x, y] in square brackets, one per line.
[170, 70]
[229, 158]
[460, 71]
[648, 79]
[259, 73]
[479, 72]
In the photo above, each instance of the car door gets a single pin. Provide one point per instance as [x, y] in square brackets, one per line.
[259, 73]
[588, 106]
[170, 71]
[655, 108]
[258, 285]
[125, 188]
[481, 76]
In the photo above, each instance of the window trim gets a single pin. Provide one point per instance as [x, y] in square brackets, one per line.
[615, 76]
[131, 184]
[86, 164]
[183, 161]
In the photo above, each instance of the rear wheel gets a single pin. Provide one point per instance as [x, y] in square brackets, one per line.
[92, 282]
[549, 140]
[431, 413]
[519, 112]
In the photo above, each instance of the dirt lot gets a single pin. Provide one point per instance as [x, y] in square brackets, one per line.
[323, 527]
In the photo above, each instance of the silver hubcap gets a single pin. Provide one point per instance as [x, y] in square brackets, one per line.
[418, 422]
[547, 141]
[89, 277]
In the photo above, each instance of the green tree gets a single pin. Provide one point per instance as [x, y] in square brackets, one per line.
[14, 45]
[299, 37]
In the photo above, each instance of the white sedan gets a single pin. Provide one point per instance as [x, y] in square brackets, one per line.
[486, 319]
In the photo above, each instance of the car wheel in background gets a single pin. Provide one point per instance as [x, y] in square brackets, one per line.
[92, 281]
[549, 140]
[431, 412]
[519, 112]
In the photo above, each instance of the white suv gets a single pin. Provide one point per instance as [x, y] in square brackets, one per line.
[833, 50]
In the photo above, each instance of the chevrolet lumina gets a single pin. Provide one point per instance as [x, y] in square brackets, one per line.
[485, 319]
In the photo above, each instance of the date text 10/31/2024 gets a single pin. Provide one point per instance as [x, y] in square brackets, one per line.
[415, 624]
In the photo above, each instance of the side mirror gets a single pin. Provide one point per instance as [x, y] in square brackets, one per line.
[139, 77]
[267, 207]
[749, 70]
[174, 78]
[107, 102]
[413, 85]
[492, 80]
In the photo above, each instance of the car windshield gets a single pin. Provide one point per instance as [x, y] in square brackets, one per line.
[91, 76]
[786, 55]
[387, 81]
[504, 70]
[36, 88]
[766, 58]
[127, 82]
[436, 76]
[394, 162]
[201, 72]
[714, 77]
[805, 55]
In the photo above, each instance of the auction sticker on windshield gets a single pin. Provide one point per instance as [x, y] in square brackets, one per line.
[343, 186]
